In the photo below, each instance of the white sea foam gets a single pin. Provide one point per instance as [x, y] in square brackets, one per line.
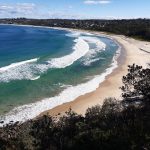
[89, 62]
[30, 111]
[35, 78]
[80, 49]
[90, 56]
[13, 65]
[73, 34]
[18, 71]
[90, 34]
[99, 44]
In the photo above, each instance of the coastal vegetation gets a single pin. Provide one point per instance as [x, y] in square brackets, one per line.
[137, 28]
[116, 125]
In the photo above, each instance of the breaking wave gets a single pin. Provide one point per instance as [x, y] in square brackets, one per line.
[32, 69]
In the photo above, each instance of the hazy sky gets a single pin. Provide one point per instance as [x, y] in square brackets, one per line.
[77, 9]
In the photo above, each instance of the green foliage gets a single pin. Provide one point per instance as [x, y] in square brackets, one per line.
[136, 83]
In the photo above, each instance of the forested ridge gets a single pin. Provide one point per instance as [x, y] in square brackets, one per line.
[137, 28]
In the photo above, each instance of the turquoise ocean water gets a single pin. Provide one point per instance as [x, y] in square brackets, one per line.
[51, 65]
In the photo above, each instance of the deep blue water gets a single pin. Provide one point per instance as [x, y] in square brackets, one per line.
[23, 43]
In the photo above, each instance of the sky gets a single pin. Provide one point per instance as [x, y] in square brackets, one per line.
[75, 9]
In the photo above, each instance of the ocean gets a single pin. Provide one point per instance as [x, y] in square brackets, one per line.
[41, 68]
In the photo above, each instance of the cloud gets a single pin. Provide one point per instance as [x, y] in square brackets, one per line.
[17, 10]
[70, 6]
[31, 10]
[91, 2]
[64, 15]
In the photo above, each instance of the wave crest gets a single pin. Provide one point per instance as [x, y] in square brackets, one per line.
[91, 55]
[80, 49]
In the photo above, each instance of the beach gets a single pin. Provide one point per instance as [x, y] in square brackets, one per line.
[132, 51]
[65, 65]
[82, 95]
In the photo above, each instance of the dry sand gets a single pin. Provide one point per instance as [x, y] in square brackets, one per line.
[132, 51]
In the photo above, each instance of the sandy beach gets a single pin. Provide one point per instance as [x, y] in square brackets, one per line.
[132, 51]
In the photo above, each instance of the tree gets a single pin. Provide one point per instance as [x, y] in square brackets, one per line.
[136, 83]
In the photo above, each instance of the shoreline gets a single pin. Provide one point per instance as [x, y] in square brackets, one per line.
[32, 110]
[61, 109]
[111, 81]
[130, 53]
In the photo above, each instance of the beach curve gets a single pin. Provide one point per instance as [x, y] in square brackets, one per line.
[130, 53]
[107, 87]
[29, 111]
